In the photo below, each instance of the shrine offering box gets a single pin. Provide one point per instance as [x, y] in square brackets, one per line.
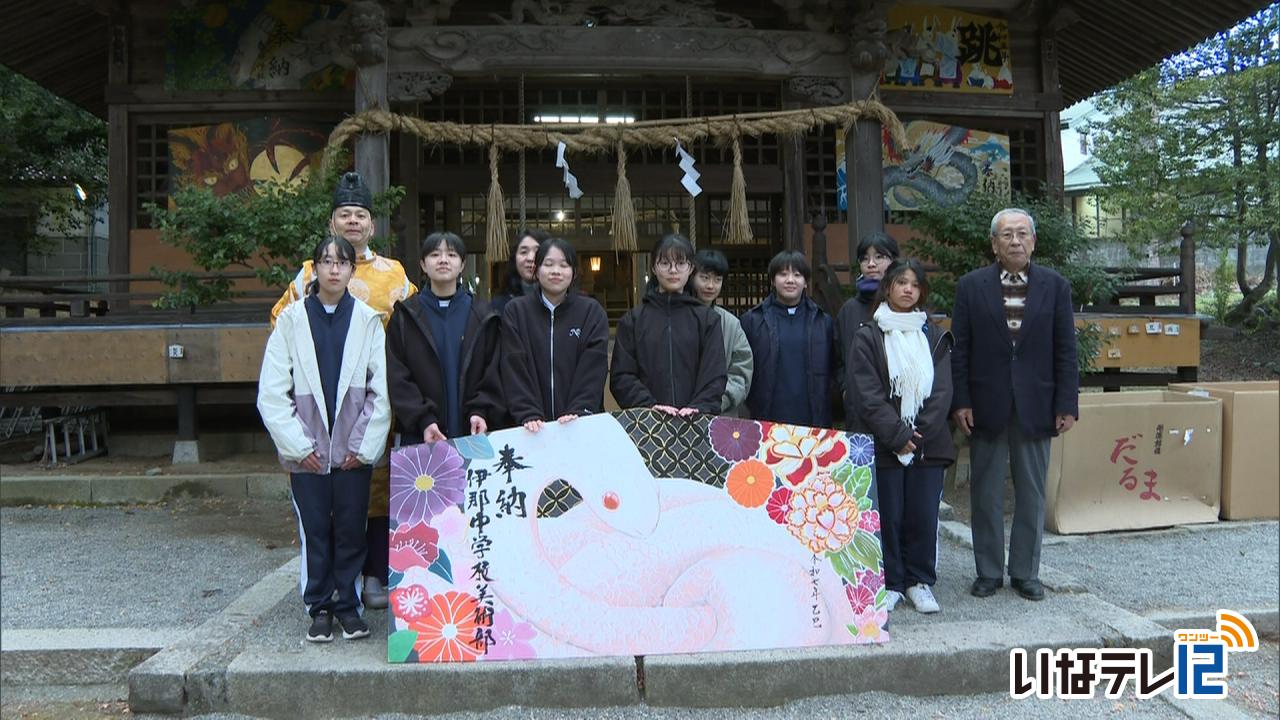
[1250, 447]
[1136, 460]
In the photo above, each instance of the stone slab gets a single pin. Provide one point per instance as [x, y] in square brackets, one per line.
[77, 656]
[160, 683]
[133, 489]
[957, 658]
[268, 487]
[358, 681]
[45, 491]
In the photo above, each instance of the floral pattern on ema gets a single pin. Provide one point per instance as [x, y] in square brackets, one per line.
[447, 632]
[862, 449]
[797, 453]
[734, 439]
[750, 483]
[511, 638]
[868, 625]
[410, 603]
[425, 480]
[779, 505]
[413, 545]
[822, 515]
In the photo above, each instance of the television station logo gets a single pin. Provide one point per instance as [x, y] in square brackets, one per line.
[1199, 666]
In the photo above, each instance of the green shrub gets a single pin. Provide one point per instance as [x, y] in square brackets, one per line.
[957, 239]
[270, 230]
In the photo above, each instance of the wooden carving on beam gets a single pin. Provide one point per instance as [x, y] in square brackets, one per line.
[651, 13]
[814, 90]
[369, 25]
[462, 50]
[417, 85]
[868, 46]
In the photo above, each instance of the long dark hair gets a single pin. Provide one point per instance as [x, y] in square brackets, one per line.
[880, 241]
[900, 266]
[570, 256]
[341, 247]
[674, 248]
[514, 288]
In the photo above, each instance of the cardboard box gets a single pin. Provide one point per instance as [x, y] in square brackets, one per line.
[1250, 446]
[1136, 460]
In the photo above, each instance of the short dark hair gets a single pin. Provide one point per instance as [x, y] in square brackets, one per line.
[674, 247]
[570, 255]
[880, 241]
[450, 240]
[341, 247]
[898, 267]
[513, 273]
[789, 260]
[712, 261]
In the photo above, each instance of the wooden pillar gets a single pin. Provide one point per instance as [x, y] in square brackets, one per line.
[793, 200]
[409, 213]
[369, 26]
[1052, 144]
[186, 449]
[863, 153]
[119, 162]
[1187, 266]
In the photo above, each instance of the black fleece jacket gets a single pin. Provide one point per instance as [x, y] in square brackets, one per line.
[669, 351]
[867, 376]
[554, 364]
[415, 380]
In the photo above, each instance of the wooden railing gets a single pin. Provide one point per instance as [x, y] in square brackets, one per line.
[107, 299]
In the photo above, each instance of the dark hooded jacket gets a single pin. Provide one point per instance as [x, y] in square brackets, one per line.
[855, 311]
[821, 360]
[554, 364]
[669, 351]
[867, 377]
[415, 377]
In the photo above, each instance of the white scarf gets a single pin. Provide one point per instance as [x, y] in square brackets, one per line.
[910, 362]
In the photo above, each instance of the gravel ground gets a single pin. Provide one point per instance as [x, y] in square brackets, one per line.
[153, 566]
[1197, 568]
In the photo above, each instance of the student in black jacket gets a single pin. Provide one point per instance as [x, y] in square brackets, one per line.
[900, 371]
[795, 354]
[669, 353]
[555, 345]
[876, 251]
[442, 352]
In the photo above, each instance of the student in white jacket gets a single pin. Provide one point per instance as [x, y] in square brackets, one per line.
[323, 397]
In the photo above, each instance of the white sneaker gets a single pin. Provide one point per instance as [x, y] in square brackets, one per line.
[922, 598]
[891, 599]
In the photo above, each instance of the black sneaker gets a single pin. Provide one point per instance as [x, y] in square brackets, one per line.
[353, 627]
[321, 630]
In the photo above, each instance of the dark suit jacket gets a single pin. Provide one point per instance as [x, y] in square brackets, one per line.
[991, 373]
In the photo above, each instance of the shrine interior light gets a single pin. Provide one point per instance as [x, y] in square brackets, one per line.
[584, 119]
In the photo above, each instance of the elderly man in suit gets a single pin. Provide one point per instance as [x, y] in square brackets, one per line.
[1016, 386]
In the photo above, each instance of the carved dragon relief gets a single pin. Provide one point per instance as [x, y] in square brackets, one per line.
[407, 86]
[818, 90]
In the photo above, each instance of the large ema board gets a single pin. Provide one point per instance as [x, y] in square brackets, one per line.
[634, 533]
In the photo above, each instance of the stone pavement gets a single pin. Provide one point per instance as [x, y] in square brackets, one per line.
[191, 606]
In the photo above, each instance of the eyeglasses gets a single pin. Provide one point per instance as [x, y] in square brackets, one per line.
[330, 263]
[668, 265]
[1020, 234]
